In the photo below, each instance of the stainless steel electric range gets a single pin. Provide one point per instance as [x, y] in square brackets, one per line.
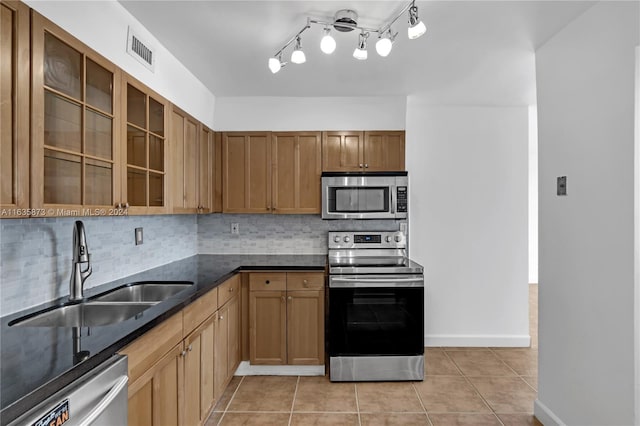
[376, 308]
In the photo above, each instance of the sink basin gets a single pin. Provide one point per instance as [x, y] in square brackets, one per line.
[90, 314]
[144, 292]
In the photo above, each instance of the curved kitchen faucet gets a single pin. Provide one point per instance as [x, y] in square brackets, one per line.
[81, 257]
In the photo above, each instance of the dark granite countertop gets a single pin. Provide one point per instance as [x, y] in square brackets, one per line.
[38, 361]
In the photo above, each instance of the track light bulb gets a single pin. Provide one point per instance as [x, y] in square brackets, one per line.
[297, 56]
[416, 26]
[383, 46]
[360, 53]
[328, 43]
[275, 64]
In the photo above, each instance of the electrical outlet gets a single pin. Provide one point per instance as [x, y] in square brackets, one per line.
[562, 185]
[235, 228]
[139, 239]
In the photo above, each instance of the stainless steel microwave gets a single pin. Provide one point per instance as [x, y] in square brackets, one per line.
[372, 195]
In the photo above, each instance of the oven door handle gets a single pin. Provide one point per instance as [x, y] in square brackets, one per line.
[337, 282]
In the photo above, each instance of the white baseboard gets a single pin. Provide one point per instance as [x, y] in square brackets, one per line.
[545, 415]
[246, 369]
[478, 340]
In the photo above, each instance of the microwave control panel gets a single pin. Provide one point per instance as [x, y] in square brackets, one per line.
[401, 203]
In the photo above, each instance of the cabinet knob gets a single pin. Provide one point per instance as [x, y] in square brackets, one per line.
[366, 166]
[126, 205]
[267, 282]
[230, 289]
[282, 298]
[190, 348]
[360, 165]
[289, 297]
[305, 283]
[221, 317]
[268, 208]
[183, 353]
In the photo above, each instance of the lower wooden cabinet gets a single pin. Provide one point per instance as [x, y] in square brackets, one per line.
[155, 398]
[176, 380]
[286, 317]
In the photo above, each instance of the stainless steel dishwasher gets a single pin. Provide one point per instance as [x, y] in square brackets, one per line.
[98, 398]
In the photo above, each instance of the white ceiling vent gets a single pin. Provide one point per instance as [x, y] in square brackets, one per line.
[140, 50]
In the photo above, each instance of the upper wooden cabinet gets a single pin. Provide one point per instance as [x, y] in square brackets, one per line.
[246, 169]
[144, 138]
[297, 167]
[363, 151]
[75, 94]
[185, 162]
[205, 170]
[271, 172]
[14, 108]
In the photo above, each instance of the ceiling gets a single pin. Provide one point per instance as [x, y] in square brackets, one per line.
[476, 52]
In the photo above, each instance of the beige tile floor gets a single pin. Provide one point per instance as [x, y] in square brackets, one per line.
[462, 386]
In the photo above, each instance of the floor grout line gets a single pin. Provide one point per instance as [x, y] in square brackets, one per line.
[421, 403]
[226, 408]
[293, 403]
[355, 389]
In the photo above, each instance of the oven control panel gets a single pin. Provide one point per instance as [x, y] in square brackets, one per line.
[367, 239]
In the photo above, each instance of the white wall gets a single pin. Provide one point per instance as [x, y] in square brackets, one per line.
[102, 25]
[637, 235]
[330, 113]
[468, 226]
[533, 194]
[585, 81]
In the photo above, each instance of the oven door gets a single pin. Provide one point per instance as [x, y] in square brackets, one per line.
[376, 316]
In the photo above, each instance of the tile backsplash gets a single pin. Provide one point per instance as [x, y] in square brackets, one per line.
[275, 234]
[35, 254]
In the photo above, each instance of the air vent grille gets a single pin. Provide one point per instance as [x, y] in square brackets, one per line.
[140, 50]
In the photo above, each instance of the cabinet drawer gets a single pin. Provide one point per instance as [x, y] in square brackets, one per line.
[266, 281]
[228, 289]
[151, 346]
[305, 281]
[200, 310]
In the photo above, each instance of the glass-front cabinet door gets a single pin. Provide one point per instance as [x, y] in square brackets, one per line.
[74, 120]
[144, 149]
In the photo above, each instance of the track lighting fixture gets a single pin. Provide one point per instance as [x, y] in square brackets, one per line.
[360, 52]
[328, 43]
[346, 20]
[416, 26]
[297, 56]
[385, 43]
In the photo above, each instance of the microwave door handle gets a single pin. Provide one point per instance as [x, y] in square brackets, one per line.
[392, 208]
[378, 280]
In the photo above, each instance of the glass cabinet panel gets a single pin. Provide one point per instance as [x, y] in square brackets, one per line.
[136, 147]
[62, 123]
[98, 135]
[99, 87]
[156, 189]
[156, 153]
[156, 117]
[62, 178]
[99, 181]
[62, 67]
[136, 107]
[136, 187]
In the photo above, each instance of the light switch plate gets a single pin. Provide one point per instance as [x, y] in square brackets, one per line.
[139, 236]
[235, 228]
[562, 186]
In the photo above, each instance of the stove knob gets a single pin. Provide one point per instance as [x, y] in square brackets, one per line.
[347, 238]
[388, 238]
[398, 238]
[336, 239]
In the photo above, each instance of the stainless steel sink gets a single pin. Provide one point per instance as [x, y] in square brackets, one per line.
[143, 292]
[89, 314]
